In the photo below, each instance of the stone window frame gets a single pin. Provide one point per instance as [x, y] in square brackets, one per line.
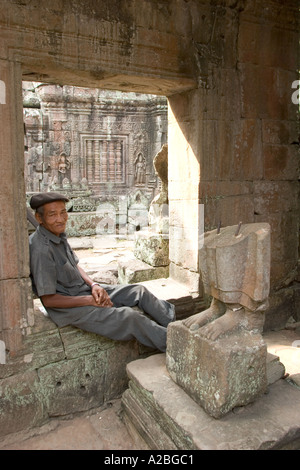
[95, 171]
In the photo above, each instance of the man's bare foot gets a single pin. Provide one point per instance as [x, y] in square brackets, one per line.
[196, 321]
[231, 321]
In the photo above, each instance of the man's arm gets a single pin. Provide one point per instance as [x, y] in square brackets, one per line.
[98, 297]
[84, 276]
[67, 301]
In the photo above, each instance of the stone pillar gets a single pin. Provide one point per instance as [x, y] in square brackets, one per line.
[104, 162]
[97, 161]
[90, 174]
[111, 160]
[15, 290]
[119, 161]
[185, 223]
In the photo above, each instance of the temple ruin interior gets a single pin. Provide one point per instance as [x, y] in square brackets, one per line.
[90, 93]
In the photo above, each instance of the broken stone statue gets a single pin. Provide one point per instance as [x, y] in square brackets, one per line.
[152, 246]
[218, 355]
[235, 270]
[158, 211]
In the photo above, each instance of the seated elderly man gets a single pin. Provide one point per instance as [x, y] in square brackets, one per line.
[72, 298]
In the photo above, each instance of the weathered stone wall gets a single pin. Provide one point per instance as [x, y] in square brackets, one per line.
[61, 371]
[237, 131]
[129, 47]
[95, 146]
[227, 68]
[92, 144]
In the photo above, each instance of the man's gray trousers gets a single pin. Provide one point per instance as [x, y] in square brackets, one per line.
[122, 322]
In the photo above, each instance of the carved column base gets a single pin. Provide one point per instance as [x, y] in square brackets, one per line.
[218, 375]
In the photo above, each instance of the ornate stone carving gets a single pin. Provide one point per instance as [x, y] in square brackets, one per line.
[90, 147]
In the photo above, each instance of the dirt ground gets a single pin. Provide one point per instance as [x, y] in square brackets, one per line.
[99, 429]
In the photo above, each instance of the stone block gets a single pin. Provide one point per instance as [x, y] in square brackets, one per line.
[74, 385]
[13, 339]
[14, 299]
[184, 246]
[43, 347]
[185, 213]
[83, 224]
[189, 278]
[58, 372]
[275, 196]
[281, 307]
[116, 380]
[78, 343]
[85, 382]
[266, 45]
[281, 162]
[259, 86]
[133, 271]
[185, 302]
[20, 403]
[218, 375]
[248, 163]
[219, 189]
[279, 132]
[141, 420]
[188, 190]
[284, 238]
[152, 249]
[230, 210]
[275, 369]
[165, 416]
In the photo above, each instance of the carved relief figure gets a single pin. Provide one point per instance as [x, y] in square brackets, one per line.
[140, 169]
[63, 163]
[38, 169]
[54, 183]
[63, 166]
[235, 265]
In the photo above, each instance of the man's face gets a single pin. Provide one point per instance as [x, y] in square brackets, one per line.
[54, 217]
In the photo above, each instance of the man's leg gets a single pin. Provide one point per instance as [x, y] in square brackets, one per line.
[123, 324]
[132, 295]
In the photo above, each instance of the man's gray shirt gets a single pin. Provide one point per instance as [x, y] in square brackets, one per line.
[53, 264]
[54, 271]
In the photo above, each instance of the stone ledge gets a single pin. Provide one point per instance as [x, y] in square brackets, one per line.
[61, 371]
[133, 271]
[163, 411]
[186, 303]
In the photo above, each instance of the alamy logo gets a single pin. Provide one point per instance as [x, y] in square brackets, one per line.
[295, 95]
[123, 219]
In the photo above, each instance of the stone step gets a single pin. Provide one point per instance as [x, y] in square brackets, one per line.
[133, 271]
[275, 368]
[166, 418]
[178, 294]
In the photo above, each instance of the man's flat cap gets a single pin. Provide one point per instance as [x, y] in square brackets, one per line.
[38, 200]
